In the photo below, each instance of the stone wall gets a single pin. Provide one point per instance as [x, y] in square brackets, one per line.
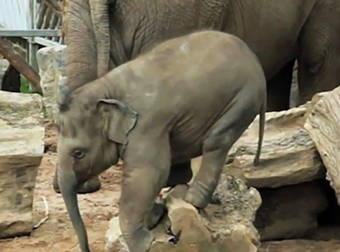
[21, 151]
[52, 63]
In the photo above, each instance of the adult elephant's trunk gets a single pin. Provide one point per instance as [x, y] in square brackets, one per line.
[100, 20]
[68, 184]
[81, 45]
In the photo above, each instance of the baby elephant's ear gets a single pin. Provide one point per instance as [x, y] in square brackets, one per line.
[120, 117]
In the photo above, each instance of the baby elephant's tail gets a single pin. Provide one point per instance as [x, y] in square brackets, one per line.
[261, 132]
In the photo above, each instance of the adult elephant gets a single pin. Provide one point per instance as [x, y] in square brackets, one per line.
[106, 33]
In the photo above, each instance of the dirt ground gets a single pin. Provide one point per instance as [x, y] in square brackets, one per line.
[57, 234]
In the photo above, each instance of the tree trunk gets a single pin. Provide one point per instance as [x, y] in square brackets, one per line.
[65, 8]
[19, 63]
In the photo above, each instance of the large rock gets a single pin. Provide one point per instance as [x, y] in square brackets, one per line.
[288, 155]
[323, 125]
[225, 225]
[52, 71]
[21, 150]
[291, 211]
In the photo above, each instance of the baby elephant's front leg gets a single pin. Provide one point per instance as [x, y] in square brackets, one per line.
[137, 199]
[143, 180]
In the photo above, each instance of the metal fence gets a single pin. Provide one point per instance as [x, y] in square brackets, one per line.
[36, 22]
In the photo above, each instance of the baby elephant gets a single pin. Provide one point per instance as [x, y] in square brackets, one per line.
[188, 96]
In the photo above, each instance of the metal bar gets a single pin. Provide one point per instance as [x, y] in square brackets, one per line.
[47, 18]
[30, 40]
[45, 42]
[30, 33]
[55, 5]
[41, 14]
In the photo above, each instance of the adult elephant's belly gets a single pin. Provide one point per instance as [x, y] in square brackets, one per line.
[272, 29]
[273, 53]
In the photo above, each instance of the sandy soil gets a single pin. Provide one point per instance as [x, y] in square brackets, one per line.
[57, 234]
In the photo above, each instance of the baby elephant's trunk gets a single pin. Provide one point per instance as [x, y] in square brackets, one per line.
[261, 131]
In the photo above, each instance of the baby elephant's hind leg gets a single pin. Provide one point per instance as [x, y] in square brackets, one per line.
[223, 135]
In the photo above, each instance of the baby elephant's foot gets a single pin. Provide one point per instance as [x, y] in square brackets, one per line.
[155, 215]
[140, 241]
[198, 195]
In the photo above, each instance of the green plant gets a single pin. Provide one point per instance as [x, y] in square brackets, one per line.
[25, 86]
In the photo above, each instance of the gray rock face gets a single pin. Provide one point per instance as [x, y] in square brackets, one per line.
[52, 70]
[290, 212]
[21, 150]
[288, 155]
[223, 226]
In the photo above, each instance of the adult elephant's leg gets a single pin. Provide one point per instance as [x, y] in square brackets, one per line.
[279, 87]
[319, 65]
[180, 174]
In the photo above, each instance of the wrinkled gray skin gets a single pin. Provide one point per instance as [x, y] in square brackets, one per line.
[188, 96]
[277, 31]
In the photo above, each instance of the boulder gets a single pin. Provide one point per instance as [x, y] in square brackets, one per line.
[290, 212]
[225, 225]
[288, 155]
[323, 126]
[21, 150]
[52, 71]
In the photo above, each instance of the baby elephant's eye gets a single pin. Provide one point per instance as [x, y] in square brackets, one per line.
[78, 154]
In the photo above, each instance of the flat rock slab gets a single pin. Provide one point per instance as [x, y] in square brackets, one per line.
[21, 151]
[301, 246]
[288, 156]
[323, 125]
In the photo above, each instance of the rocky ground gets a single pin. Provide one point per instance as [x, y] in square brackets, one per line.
[57, 234]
